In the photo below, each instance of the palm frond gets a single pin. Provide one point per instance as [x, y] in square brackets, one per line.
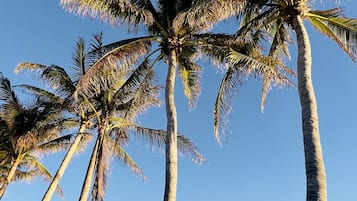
[144, 97]
[55, 145]
[79, 61]
[242, 67]
[43, 172]
[156, 139]
[115, 11]
[258, 22]
[203, 14]
[233, 79]
[281, 39]
[340, 29]
[190, 73]
[122, 54]
[41, 94]
[10, 106]
[55, 76]
[120, 154]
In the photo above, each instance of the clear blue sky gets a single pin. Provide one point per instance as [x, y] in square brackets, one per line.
[263, 158]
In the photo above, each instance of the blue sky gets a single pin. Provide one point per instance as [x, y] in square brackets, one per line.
[263, 157]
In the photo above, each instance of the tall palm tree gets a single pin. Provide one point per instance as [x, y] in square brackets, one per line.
[176, 26]
[107, 99]
[279, 15]
[117, 100]
[25, 132]
[64, 86]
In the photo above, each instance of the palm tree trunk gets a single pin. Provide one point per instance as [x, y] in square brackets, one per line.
[90, 171]
[314, 166]
[11, 175]
[64, 164]
[171, 136]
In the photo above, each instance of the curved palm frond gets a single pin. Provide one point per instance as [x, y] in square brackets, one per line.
[55, 76]
[122, 54]
[43, 172]
[41, 94]
[156, 138]
[342, 30]
[203, 14]
[120, 154]
[144, 97]
[114, 11]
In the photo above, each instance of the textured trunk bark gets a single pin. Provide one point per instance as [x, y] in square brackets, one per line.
[66, 160]
[90, 171]
[314, 166]
[171, 136]
[11, 175]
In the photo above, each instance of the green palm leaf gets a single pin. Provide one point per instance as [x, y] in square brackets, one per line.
[340, 29]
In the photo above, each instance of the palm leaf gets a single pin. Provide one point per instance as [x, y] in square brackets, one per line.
[55, 76]
[43, 172]
[156, 138]
[41, 94]
[79, 61]
[115, 11]
[190, 73]
[203, 14]
[122, 54]
[123, 157]
[340, 29]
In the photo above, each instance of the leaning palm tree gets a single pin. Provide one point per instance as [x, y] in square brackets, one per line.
[176, 27]
[25, 132]
[280, 15]
[64, 86]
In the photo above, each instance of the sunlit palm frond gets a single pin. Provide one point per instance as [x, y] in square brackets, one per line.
[124, 93]
[228, 89]
[258, 22]
[122, 54]
[203, 14]
[190, 73]
[114, 11]
[342, 30]
[28, 66]
[144, 97]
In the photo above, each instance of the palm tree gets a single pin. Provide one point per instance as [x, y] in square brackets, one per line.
[117, 100]
[279, 15]
[104, 99]
[25, 132]
[177, 27]
[64, 86]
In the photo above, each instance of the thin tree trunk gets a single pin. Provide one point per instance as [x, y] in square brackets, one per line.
[66, 160]
[90, 171]
[315, 171]
[171, 136]
[11, 175]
